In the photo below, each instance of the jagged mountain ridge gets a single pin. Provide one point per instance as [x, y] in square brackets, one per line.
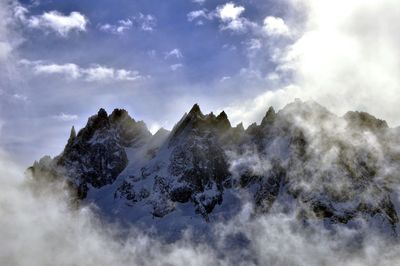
[302, 159]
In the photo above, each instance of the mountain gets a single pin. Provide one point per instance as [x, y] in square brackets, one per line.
[303, 160]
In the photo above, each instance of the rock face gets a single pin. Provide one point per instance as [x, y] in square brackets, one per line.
[96, 155]
[302, 159]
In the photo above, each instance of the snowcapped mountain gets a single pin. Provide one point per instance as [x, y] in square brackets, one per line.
[302, 159]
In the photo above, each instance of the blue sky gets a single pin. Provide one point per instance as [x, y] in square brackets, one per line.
[168, 57]
[61, 61]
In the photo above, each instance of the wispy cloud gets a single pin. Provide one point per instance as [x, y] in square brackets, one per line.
[144, 22]
[229, 14]
[52, 21]
[174, 53]
[119, 28]
[225, 78]
[89, 74]
[65, 117]
[199, 1]
[203, 13]
[275, 26]
[335, 60]
[20, 97]
[175, 67]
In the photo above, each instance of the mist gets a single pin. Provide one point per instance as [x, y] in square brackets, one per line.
[39, 226]
[345, 57]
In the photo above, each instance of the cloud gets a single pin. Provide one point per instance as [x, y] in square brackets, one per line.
[64, 236]
[123, 74]
[119, 28]
[274, 26]
[5, 49]
[53, 21]
[175, 67]
[98, 73]
[142, 21]
[65, 117]
[230, 14]
[71, 71]
[254, 44]
[346, 57]
[174, 53]
[20, 97]
[94, 73]
[9, 40]
[199, 1]
[225, 78]
[203, 13]
[37, 218]
[146, 22]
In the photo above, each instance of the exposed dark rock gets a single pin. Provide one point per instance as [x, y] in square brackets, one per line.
[296, 153]
[181, 194]
[365, 121]
[269, 117]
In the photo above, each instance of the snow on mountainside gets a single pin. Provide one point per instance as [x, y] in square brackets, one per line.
[302, 159]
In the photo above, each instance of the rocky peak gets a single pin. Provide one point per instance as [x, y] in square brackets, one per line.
[252, 127]
[365, 121]
[120, 115]
[197, 168]
[95, 123]
[72, 135]
[240, 127]
[222, 116]
[162, 132]
[269, 117]
[223, 121]
[72, 138]
[102, 113]
[309, 111]
[195, 111]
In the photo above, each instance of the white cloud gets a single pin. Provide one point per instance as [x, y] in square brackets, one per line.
[91, 74]
[142, 21]
[203, 13]
[229, 12]
[230, 16]
[68, 70]
[20, 97]
[65, 117]
[53, 21]
[9, 40]
[5, 49]
[225, 78]
[175, 67]
[77, 236]
[98, 73]
[154, 127]
[254, 44]
[174, 53]
[274, 26]
[347, 58]
[199, 1]
[119, 28]
[123, 74]
[146, 22]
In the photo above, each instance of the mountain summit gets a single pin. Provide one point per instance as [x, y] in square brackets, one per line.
[301, 159]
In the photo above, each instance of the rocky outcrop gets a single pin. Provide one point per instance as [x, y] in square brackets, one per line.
[96, 155]
[303, 158]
